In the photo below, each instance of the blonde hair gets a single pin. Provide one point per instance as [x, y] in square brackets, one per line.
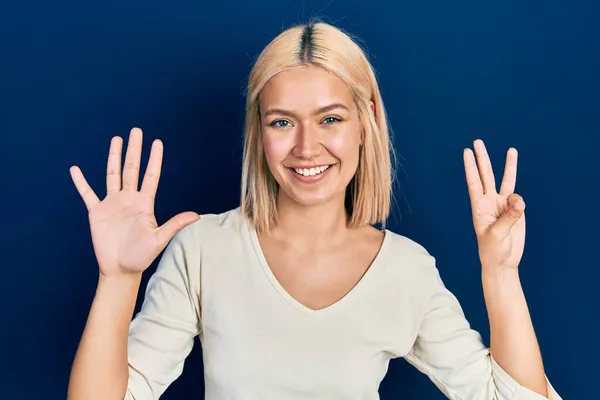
[369, 194]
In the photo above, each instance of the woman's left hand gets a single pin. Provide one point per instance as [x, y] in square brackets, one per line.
[498, 217]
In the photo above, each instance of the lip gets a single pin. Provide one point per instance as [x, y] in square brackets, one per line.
[308, 166]
[310, 179]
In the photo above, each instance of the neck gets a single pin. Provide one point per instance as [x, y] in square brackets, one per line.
[312, 226]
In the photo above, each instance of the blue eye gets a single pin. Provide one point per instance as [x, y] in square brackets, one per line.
[279, 123]
[331, 120]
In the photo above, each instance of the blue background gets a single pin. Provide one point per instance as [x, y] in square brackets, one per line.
[515, 73]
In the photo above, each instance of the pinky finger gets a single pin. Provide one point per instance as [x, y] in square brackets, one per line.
[85, 191]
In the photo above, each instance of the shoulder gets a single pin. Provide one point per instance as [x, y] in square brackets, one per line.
[409, 257]
[212, 228]
[227, 221]
[405, 247]
[415, 272]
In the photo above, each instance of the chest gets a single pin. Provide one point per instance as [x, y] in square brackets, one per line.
[259, 341]
[321, 278]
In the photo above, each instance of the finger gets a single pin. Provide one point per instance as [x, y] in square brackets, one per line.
[131, 169]
[152, 175]
[85, 191]
[509, 180]
[113, 166]
[472, 176]
[516, 207]
[174, 225]
[485, 167]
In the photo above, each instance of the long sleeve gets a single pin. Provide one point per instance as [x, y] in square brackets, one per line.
[454, 357]
[161, 335]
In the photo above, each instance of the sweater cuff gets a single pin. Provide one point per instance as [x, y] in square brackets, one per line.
[511, 389]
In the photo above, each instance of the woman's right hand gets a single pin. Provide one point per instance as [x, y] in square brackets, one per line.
[125, 234]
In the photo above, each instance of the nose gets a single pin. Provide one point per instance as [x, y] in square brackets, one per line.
[308, 144]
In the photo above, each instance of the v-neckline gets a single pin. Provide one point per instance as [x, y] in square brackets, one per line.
[262, 260]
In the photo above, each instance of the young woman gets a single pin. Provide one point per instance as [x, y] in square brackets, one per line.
[295, 295]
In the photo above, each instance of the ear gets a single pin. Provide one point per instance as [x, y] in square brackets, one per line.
[372, 106]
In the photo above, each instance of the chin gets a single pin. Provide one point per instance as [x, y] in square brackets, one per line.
[310, 199]
[314, 190]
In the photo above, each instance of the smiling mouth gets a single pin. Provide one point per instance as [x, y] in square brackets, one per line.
[311, 171]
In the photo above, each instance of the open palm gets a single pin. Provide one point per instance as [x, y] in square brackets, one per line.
[498, 217]
[125, 234]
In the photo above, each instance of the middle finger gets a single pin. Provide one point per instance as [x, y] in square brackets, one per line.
[131, 168]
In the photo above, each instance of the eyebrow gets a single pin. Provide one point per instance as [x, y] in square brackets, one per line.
[321, 110]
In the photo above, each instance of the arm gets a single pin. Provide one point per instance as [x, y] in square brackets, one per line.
[123, 359]
[100, 365]
[514, 368]
[110, 363]
[162, 334]
[513, 340]
[454, 357]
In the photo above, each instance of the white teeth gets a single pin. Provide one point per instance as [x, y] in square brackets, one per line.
[311, 171]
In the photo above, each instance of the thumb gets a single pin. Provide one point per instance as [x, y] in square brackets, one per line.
[170, 228]
[514, 211]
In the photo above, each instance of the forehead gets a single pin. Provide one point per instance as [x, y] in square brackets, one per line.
[304, 89]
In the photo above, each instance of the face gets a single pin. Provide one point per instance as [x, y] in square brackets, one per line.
[311, 134]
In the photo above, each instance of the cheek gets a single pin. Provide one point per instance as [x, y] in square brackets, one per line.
[344, 144]
[275, 148]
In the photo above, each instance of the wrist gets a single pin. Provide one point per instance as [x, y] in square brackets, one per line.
[119, 284]
[502, 274]
[501, 284]
[114, 302]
